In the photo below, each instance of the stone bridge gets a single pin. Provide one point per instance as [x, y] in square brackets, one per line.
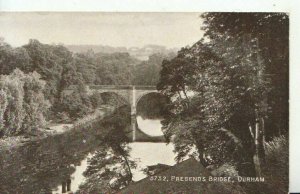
[132, 94]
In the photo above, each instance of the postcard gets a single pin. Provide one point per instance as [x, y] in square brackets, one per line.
[144, 102]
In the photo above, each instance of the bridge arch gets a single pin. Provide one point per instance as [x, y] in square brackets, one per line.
[150, 112]
[156, 100]
[143, 94]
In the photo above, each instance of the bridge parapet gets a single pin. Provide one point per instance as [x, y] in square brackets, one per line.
[117, 87]
[114, 87]
[140, 87]
[123, 87]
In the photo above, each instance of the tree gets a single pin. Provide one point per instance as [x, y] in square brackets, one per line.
[86, 65]
[232, 90]
[188, 127]
[55, 65]
[270, 33]
[12, 58]
[3, 106]
[109, 170]
[114, 69]
[76, 105]
[264, 37]
[147, 72]
[14, 113]
[24, 106]
[35, 104]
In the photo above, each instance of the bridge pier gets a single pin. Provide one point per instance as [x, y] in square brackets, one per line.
[133, 124]
[133, 114]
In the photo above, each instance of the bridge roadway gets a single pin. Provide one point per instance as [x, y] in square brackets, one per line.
[131, 93]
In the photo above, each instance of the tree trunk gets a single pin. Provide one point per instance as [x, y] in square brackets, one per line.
[200, 148]
[259, 156]
[256, 157]
[182, 101]
[178, 92]
[123, 154]
[128, 166]
[127, 163]
[261, 109]
[184, 92]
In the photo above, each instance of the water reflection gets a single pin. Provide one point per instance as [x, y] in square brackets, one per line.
[76, 178]
[41, 166]
[151, 127]
[95, 159]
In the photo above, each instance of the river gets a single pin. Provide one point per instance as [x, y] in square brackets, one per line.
[57, 162]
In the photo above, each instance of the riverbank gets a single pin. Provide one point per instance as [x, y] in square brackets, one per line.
[51, 129]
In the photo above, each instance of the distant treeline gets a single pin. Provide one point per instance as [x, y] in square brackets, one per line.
[141, 53]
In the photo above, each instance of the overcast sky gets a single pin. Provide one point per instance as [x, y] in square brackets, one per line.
[113, 29]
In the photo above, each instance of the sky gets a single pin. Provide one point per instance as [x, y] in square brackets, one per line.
[112, 29]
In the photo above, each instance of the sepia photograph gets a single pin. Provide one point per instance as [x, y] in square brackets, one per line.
[144, 102]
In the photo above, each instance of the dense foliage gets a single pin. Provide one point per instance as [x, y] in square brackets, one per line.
[147, 73]
[229, 91]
